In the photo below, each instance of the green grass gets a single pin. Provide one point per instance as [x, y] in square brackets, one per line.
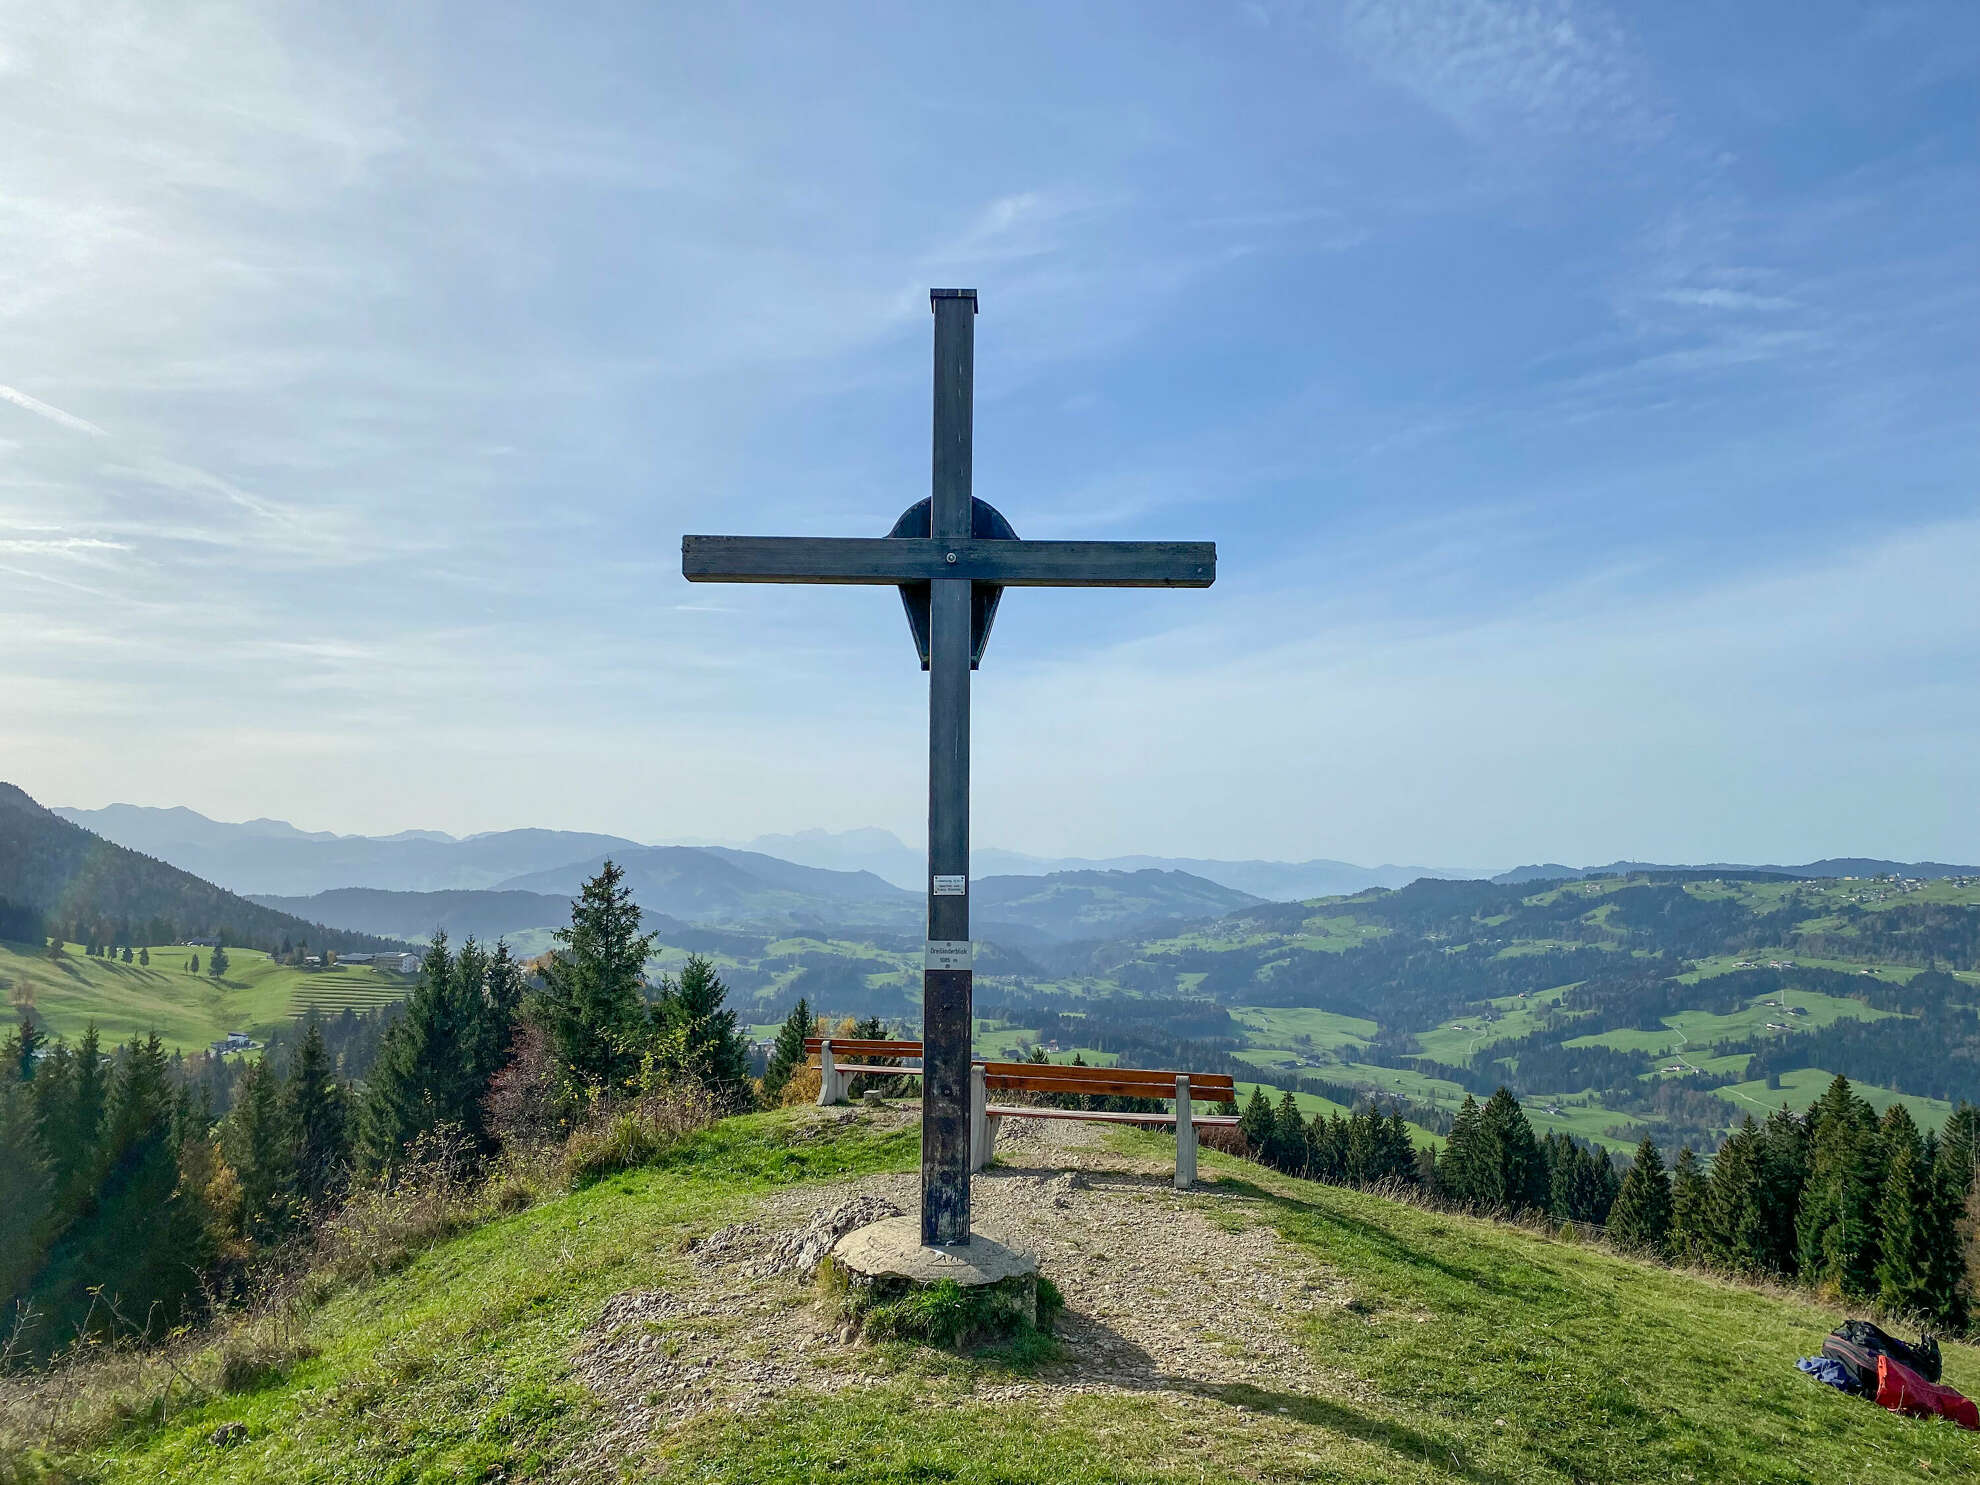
[1459, 1038]
[1804, 1085]
[1465, 1352]
[1295, 1031]
[1696, 1030]
[187, 1010]
[458, 1367]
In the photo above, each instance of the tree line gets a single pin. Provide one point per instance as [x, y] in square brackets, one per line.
[139, 1186]
[1856, 1206]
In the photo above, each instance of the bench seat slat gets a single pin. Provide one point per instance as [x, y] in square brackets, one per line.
[1025, 1111]
[1102, 1086]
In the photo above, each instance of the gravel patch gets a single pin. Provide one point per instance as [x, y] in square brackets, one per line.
[1160, 1295]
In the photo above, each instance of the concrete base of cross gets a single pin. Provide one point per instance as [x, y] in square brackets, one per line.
[887, 1259]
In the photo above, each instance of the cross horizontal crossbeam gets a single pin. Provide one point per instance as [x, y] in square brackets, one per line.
[887, 560]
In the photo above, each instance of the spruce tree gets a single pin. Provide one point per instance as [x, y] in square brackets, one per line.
[1734, 1225]
[72, 1125]
[1510, 1170]
[22, 1047]
[1458, 1170]
[697, 1034]
[144, 957]
[216, 962]
[591, 1003]
[1836, 1228]
[1285, 1147]
[787, 1055]
[1959, 1147]
[1398, 1150]
[30, 1193]
[414, 1086]
[1641, 1217]
[1901, 1256]
[259, 1145]
[1323, 1149]
[1780, 1159]
[315, 1109]
[1690, 1230]
[147, 1238]
[1257, 1123]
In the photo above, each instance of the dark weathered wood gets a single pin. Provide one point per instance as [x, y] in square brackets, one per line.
[959, 564]
[947, 992]
[886, 560]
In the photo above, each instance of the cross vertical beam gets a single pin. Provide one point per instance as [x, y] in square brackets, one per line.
[948, 981]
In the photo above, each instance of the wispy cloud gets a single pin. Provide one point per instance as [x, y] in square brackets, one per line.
[1551, 65]
[54, 414]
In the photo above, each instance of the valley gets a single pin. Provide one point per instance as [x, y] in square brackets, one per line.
[1661, 1002]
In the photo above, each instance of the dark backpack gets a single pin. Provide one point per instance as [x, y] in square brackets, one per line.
[1857, 1344]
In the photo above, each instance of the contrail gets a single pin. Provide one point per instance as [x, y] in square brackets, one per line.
[53, 414]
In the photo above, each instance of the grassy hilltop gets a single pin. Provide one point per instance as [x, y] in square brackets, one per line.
[187, 1010]
[1434, 1348]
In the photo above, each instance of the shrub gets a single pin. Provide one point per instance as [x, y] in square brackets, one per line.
[637, 1133]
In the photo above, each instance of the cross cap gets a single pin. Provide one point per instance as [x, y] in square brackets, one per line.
[969, 294]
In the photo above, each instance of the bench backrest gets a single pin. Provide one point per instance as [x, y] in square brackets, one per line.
[1051, 1077]
[1113, 1082]
[856, 1047]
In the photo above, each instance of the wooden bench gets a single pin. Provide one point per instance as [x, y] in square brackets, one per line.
[1186, 1089]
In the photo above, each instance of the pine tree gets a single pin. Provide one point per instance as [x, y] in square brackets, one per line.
[1509, 1167]
[147, 1238]
[1285, 1146]
[192, 965]
[1641, 1217]
[1691, 1240]
[260, 1146]
[1959, 1147]
[788, 1054]
[216, 962]
[27, 1041]
[30, 1192]
[1902, 1256]
[315, 1109]
[407, 1092]
[1324, 1149]
[144, 957]
[1836, 1228]
[1257, 1123]
[591, 1001]
[73, 1133]
[1780, 1162]
[1458, 1171]
[1735, 1228]
[697, 1033]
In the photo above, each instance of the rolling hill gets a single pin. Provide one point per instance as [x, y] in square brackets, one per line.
[1260, 1328]
[58, 879]
[1068, 905]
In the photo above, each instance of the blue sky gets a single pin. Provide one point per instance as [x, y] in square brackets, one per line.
[1583, 400]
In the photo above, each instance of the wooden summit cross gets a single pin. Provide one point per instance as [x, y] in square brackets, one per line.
[951, 556]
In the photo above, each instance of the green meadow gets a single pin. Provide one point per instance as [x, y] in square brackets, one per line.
[187, 1010]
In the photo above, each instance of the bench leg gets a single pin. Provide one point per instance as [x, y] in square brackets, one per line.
[1185, 1138]
[979, 1119]
[832, 1083]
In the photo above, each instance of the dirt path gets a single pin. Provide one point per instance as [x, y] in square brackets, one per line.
[1165, 1290]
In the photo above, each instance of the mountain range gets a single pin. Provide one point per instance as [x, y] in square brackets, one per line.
[61, 881]
[273, 857]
